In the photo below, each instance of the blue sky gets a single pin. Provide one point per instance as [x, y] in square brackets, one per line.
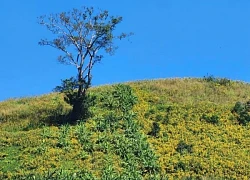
[173, 38]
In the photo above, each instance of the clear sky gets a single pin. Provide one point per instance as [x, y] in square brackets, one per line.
[173, 38]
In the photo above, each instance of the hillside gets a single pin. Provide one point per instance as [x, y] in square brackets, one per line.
[178, 129]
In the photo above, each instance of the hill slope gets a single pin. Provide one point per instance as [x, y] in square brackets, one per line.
[183, 128]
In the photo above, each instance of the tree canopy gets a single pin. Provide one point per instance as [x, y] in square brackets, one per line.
[80, 34]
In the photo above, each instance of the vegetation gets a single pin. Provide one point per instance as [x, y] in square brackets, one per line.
[80, 35]
[220, 81]
[161, 129]
[242, 111]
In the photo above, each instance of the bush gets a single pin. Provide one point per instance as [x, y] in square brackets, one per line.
[242, 111]
[120, 99]
[214, 119]
[119, 102]
[181, 166]
[155, 130]
[138, 159]
[83, 135]
[183, 148]
[64, 139]
[83, 103]
[149, 113]
[224, 81]
[220, 81]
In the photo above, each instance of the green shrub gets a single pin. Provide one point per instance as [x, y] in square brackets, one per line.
[160, 107]
[119, 103]
[181, 166]
[166, 119]
[83, 102]
[149, 113]
[109, 173]
[118, 119]
[239, 107]
[83, 135]
[158, 117]
[242, 111]
[183, 147]
[224, 81]
[2, 118]
[121, 98]
[214, 119]
[155, 129]
[63, 139]
[209, 78]
[220, 81]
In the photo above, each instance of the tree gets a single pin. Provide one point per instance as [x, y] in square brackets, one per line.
[80, 35]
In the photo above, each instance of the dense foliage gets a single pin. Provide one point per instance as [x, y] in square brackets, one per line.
[164, 129]
[68, 88]
[242, 111]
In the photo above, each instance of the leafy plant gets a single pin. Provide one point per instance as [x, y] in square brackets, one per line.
[155, 129]
[131, 146]
[214, 119]
[119, 103]
[180, 166]
[242, 111]
[63, 139]
[183, 147]
[109, 173]
[83, 136]
[120, 99]
[68, 87]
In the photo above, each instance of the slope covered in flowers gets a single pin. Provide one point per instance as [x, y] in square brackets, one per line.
[179, 128]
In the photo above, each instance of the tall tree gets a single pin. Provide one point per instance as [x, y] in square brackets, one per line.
[80, 34]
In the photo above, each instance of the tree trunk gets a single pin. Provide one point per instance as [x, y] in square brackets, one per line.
[80, 83]
[80, 106]
[77, 111]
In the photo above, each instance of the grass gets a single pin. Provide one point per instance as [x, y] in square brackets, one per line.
[186, 125]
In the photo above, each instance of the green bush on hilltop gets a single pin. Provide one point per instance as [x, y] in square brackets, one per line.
[220, 81]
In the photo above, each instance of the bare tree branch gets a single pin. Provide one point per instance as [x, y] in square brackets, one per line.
[80, 34]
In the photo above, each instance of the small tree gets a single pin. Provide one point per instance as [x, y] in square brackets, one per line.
[80, 34]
